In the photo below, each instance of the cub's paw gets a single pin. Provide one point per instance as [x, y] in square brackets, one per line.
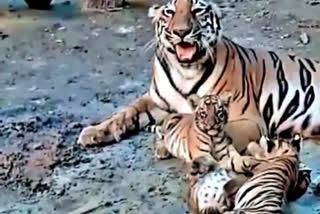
[200, 167]
[90, 136]
[161, 151]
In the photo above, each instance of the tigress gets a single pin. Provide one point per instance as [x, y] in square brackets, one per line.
[272, 93]
[190, 136]
[276, 179]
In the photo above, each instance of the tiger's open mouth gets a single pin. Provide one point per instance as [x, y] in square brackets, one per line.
[186, 51]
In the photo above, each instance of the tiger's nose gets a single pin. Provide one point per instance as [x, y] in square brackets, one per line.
[182, 32]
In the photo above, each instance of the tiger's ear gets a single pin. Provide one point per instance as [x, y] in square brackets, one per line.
[155, 12]
[226, 97]
[296, 141]
[216, 9]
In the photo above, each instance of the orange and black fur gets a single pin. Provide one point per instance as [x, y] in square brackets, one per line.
[277, 177]
[190, 136]
[273, 93]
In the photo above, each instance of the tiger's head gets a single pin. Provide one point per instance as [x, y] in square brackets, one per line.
[212, 111]
[187, 29]
[270, 148]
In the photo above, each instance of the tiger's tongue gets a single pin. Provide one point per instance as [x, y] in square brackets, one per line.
[185, 52]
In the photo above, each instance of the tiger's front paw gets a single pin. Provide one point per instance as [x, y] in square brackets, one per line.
[90, 136]
[161, 152]
[106, 132]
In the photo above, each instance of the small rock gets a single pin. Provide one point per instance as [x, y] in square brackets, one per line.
[248, 20]
[62, 28]
[60, 192]
[304, 38]
[29, 58]
[313, 3]
[56, 26]
[151, 189]
[104, 97]
[266, 28]
[37, 146]
[96, 34]
[59, 41]
[110, 175]
[285, 36]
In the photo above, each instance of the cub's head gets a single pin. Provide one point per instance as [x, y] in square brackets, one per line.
[212, 111]
[270, 148]
[187, 29]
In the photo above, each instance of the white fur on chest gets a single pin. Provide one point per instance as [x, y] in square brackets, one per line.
[174, 96]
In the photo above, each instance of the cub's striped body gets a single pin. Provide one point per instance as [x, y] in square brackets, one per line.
[276, 177]
[191, 136]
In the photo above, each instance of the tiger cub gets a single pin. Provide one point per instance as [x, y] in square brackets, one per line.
[206, 187]
[276, 179]
[277, 176]
[190, 136]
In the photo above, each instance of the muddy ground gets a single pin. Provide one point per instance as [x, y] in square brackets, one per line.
[63, 69]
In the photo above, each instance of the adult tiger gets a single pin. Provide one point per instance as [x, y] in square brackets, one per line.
[271, 92]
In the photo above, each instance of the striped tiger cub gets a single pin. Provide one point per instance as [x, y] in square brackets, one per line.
[276, 179]
[190, 136]
[277, 176]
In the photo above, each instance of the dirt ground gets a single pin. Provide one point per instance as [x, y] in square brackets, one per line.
[63, 69]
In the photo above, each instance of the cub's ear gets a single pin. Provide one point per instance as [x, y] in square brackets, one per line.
[226, 97]
[255, 150]
[296, 141]
[155, 12]
[216, 9]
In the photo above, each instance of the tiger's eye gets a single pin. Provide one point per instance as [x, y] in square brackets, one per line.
[168, 12]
